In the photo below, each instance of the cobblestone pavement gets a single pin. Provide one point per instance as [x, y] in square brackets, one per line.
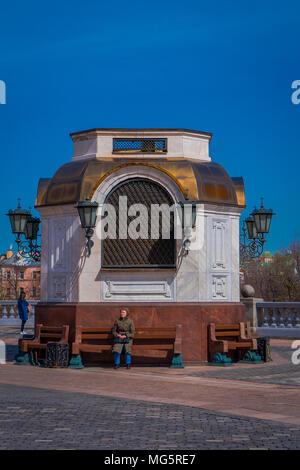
[284, 374]
[150, 408]
[13, 332]
[32, 418]
[281, 372]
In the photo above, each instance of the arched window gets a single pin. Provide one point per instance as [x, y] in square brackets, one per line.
[158, 252]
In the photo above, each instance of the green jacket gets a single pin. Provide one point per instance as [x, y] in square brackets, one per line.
[123, 326]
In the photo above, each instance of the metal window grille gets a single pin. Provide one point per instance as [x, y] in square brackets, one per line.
[140, 145]
[140, 253]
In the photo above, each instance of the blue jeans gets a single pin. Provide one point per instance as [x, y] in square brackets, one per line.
[117, 357]
[23, 324]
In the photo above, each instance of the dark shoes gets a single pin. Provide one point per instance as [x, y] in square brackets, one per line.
[116, 366]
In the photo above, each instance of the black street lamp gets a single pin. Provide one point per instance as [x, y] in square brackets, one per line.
[18, 219]
[87, 211]
[32, 228]
[22, 223]
[262, 218]
[254, 229]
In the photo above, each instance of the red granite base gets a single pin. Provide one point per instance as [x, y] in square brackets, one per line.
[194, 318]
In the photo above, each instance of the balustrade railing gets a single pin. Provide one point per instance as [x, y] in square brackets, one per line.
[9, 312]
[278, 314]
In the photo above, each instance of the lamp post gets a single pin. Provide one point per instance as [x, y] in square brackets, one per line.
[255, 228]
[87, 211]
[23, 224]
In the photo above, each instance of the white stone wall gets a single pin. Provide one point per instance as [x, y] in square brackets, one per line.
[62, 254]
[222, 248]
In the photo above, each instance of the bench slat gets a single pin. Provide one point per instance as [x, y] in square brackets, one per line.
[136, 336]
[227, 327]
[170, 331]
[95, 347]
[227, 333]
[50, 335]
[153, 336]
[234, 345]
[107, 347]
[150, 346]
[51, 328]
[97, 336]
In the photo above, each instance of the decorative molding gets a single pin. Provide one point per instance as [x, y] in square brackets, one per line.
[147, 290]
[218, 253]
[137, 288]
[219, 259]
[58, 287]
[219, 287]
[58, 255]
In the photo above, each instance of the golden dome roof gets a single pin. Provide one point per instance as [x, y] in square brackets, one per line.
[205, 181]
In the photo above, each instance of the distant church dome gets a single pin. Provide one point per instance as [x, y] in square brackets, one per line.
[9, 252]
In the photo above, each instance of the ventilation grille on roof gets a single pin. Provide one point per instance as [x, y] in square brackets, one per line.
[140, 145]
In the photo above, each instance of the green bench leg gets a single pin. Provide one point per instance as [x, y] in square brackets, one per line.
[251, 357]
[24, 359]
[177, 362]
[76, 362]
[221, 360]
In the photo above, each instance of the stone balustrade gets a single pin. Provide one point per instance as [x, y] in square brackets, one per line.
[278, 314]
[9, 312]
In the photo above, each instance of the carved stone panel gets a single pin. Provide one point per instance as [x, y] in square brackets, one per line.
[58, 287]
[219, 265]
[58, 258]
[131, 288]
[219, 287]
[219, 249]
[143, 288]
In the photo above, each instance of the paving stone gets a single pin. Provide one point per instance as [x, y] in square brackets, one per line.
[95, 424]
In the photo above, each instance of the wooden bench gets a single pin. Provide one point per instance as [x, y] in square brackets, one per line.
[101, 339]
[44, 335]
[225, 338]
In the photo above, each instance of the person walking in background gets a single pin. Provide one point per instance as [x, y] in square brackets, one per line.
[123, 333]
[23, 310]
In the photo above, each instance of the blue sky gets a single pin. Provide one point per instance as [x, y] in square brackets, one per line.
[222, 67]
